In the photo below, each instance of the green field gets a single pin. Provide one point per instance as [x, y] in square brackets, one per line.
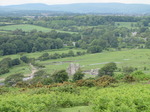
[25, 68]
[37, 54]
[27, 27]
[138, 58]
[125, 24]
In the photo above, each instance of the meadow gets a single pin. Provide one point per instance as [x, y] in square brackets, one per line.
[137, 58]
[126, 24]
[28, 27]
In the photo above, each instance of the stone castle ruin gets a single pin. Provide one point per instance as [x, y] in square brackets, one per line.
[94, 71]
[73, 68]
[91, 72]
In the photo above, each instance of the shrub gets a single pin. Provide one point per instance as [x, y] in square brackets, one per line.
[6, 62]
[13, 79]
[105, 81]
[44, 57]
[87, 82]
[4, 90]
[127, 70]
[42, 77]
[22, 84]
[60, 76]
[15, 62]
[38, 65]
[108, 69]
[71, 53]
[119, 76]
[25, 59]
[79, 53]
[129, 79]
[139, 75]
[78, 75]
[55, 56]
[66, 88]
[3, 70]
[94, 49]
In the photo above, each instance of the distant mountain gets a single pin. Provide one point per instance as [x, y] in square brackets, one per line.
[103, 8]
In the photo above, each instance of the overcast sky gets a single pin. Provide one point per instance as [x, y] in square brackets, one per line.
[12, 2]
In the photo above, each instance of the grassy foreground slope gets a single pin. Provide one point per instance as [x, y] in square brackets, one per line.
[124, 98]
[77, 109]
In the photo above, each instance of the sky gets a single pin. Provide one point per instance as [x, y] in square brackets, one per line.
[51, 2]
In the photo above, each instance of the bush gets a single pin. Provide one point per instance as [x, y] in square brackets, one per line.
[60, 76]
[94, 49]
[87, 82]
[71, 53]
[78, 75]
[105, 81]
[3, 70]
[139, 75]
[25, 59]
[129, 79]
[79, 53]
[44, 57]
[108, 69]
[13, 79]
[6, 63]
[22, 84]
[38, 65]
[4, 90]
[119, 76]
[15, 62]
[66, 88]
[55, 56]
[42, 77]
[128, 70]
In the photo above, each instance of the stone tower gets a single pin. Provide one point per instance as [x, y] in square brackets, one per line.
[73, 68]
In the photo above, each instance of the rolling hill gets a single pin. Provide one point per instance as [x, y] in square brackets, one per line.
[103, 8]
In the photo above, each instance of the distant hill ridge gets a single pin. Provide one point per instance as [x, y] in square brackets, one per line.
[113, 8]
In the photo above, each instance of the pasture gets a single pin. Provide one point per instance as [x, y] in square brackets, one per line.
[126, 24]
[28, 27]
[137, 58]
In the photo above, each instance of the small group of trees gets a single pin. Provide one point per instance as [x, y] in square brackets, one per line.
[129, 74]
[108, 69]
[62, 75]
[94, 49]
[47, 56]
[44, 78]
[7, 63]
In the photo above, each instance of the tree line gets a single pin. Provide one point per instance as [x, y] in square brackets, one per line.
[94, 33]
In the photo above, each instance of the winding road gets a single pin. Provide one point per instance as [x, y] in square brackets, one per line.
[30, 76]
